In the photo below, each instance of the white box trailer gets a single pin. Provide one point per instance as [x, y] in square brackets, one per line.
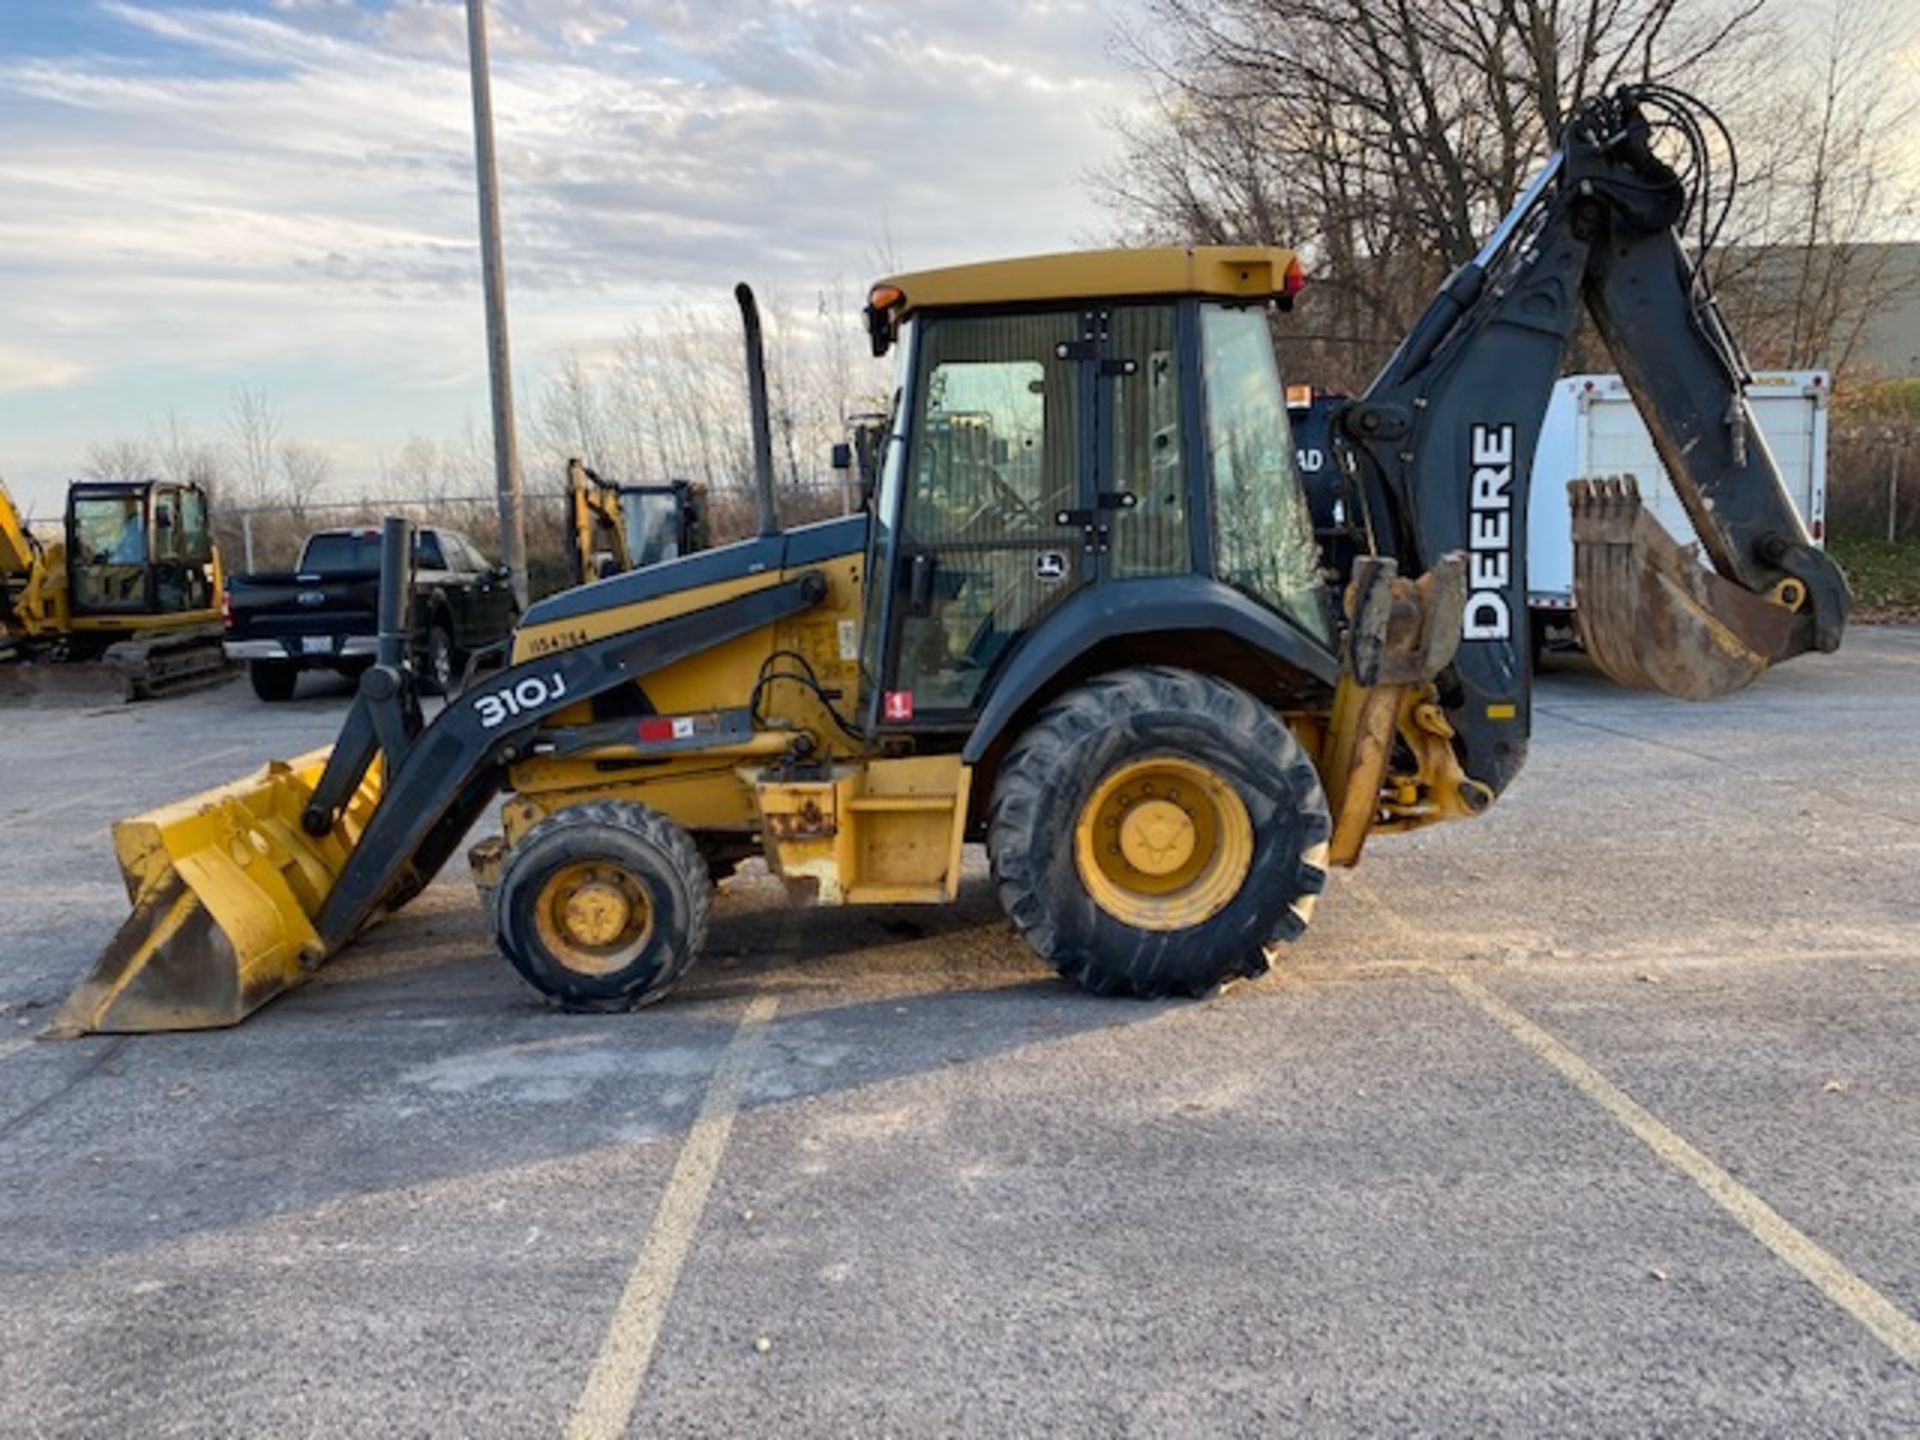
[1592, 429]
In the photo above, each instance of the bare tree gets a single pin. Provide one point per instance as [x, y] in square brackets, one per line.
[1380, 137]
[183, 456]
[121, 458]
[254, 425]
[303, 471]
[1822, 130]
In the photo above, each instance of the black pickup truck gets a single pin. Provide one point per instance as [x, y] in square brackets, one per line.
[324, 615]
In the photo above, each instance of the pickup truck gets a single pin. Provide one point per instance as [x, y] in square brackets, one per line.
[324, 614]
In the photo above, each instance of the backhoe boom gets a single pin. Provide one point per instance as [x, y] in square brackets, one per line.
[1437, 453]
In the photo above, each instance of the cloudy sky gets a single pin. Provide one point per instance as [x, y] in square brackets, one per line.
[280, 192]
[201, 194]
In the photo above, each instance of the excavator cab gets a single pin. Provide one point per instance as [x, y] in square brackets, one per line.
[615, 527]
[1083, 621]
[139, 548]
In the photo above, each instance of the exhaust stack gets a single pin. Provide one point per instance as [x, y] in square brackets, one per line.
[762, 419]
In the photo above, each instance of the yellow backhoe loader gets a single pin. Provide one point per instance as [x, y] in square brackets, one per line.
[130, 591]
[1083, 622]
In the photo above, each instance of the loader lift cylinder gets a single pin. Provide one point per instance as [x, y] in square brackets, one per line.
[396, 568]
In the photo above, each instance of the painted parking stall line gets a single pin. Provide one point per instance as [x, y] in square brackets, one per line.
[619, 1371]
[1886, 1321]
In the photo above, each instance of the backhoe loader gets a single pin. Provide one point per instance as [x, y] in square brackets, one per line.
[130, 591]
[1083, 622]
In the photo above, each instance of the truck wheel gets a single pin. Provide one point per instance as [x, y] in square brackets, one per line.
[1154, 831]
[440, 662]
[603, 906]
[273, 680]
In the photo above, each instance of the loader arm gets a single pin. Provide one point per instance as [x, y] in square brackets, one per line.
[1436, 454]
[241, 891]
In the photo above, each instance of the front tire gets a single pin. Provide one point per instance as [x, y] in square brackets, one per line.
[440, 661]
[1154, 831]
[603, 906]
[273, 680]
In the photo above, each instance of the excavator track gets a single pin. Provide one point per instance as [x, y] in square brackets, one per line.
[153, 668]
[147, 668]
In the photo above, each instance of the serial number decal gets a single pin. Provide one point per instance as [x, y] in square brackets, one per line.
[529, 694]
[564, 640]
[1490, 534]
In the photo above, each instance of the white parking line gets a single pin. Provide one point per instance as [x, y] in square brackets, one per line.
[1887, 1322]
[613, 1388]
[118, 792]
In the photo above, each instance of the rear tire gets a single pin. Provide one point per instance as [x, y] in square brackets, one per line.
[1155, 831]
[273, 680]
[603, 906]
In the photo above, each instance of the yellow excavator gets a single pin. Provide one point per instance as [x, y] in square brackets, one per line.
[613, 527]
[128, 596]
[1083, 621]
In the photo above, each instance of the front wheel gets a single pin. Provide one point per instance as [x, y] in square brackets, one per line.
[440, 663]
[1156, 830]
[603, 905]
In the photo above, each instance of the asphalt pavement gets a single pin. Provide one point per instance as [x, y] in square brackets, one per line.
[1598, 1115]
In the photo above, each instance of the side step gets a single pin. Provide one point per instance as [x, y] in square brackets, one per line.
[883, 832]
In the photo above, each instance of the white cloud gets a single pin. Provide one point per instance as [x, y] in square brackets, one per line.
[34, 370]
[292, 204]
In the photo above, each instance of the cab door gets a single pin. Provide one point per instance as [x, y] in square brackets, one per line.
[997, 487]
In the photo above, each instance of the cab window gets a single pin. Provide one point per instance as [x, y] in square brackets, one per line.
[1263, 533]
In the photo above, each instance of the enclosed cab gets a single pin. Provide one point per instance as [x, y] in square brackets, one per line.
[138, 553]
[1074, 484]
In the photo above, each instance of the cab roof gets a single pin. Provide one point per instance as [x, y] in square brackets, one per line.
[1238, 272]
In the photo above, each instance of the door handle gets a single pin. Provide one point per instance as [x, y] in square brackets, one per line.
[920, 585]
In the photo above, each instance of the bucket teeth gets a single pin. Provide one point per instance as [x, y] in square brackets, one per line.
[1649, 614]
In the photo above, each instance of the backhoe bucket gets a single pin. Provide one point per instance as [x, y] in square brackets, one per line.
[225, 887]
[1650, 614]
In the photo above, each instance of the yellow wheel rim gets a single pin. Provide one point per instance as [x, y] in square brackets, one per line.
[1163, 843]
[593, 917]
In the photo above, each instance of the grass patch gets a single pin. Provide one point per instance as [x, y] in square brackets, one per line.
[1885, 577]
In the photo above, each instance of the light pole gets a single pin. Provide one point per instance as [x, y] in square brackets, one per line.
[506, 452]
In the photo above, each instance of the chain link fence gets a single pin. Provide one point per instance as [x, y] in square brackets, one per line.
[269, 537]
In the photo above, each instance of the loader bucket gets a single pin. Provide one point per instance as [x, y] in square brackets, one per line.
[225, 887]
[1650, 614]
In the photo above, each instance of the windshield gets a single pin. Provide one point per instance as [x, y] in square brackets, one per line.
[1263, 532]
[110, 530]
[108, 568]
[652, 535]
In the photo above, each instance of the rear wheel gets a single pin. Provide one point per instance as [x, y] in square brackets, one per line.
[1154, 831]
[603, 905]
[273, 680]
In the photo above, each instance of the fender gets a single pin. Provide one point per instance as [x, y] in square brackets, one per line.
[1128, 607]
